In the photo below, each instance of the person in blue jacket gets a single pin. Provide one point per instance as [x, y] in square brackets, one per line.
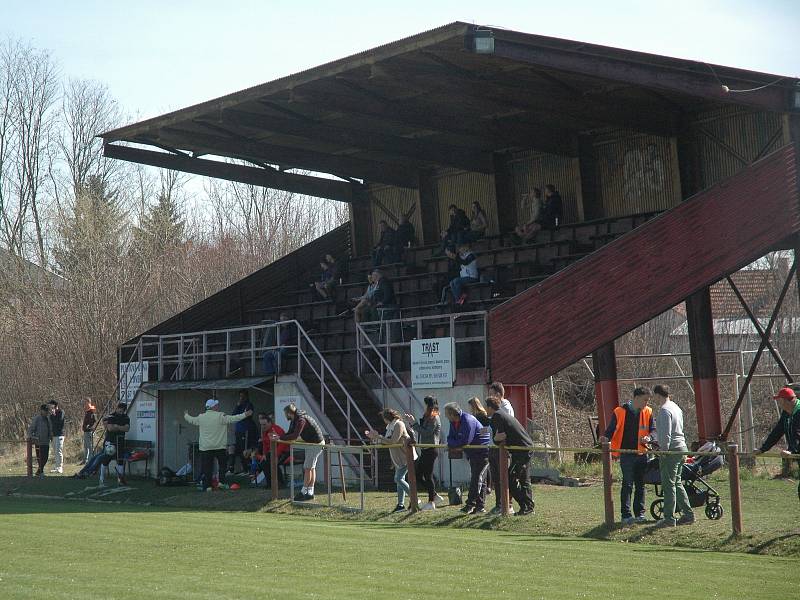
[466, 430]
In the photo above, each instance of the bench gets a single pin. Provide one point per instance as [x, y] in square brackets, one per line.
[137, 451]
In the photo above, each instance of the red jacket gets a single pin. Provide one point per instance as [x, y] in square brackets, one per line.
[277, 430]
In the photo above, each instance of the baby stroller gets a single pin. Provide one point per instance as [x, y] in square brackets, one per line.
[700, 492]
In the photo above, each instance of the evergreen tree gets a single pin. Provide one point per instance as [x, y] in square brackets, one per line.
[161, 228]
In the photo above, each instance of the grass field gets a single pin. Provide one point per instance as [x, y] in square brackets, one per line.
[66, 549]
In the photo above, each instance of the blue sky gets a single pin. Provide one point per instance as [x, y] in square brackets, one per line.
[161, 56]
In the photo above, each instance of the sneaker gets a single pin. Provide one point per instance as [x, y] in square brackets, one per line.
[101, 484]
[528, 510]
[40, 475]
[496, 510]
[428, 506]
[640, 519]
[665, 523]
[511, 510]
[300, 497]
[437, 499]
[54, 471]
[461, 299]
[627, 521]
[477, 511]
[122, 481]
[399, 508]
[467, 508]
[309, 497]
[685, 520]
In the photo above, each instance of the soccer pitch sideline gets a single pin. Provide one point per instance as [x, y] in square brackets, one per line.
[66, 549]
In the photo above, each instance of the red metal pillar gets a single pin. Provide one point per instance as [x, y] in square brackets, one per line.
[605, 383]
[704, 365]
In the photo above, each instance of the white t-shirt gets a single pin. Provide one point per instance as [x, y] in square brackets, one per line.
[506, 407]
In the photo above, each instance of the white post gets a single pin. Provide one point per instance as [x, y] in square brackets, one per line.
[555, 419]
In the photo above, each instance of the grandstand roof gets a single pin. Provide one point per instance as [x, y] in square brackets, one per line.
[431, 100]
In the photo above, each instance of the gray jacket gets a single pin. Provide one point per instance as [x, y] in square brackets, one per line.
[428, 431]
[40, 430]
[669, 427]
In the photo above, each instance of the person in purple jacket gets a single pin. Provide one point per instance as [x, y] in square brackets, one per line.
[466, 430]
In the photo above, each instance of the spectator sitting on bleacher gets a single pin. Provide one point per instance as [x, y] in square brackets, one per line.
[404, 237]
[524, 232]
[382, 296]
[468, 273]
[384, 250]
[329, 278]
[552, 209]
[459, 223]
[477, 225]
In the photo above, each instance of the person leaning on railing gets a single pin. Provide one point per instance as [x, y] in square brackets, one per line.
[395, 434]
[429, 430]
[507, 429]
[788, 425]
[302, 427]
[466, 430]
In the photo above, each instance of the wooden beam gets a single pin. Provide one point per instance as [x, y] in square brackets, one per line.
[497, 133]
[289, 182]
[294, 157]
[415, 149]
[587, 59]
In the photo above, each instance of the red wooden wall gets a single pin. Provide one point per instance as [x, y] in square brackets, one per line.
[635, 278]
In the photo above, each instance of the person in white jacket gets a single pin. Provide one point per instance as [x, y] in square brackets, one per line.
[213, 442]
[396, 433]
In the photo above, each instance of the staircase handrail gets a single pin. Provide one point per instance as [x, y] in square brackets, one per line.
[384, 365]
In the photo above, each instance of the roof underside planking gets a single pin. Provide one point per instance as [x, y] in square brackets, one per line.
[429, 101]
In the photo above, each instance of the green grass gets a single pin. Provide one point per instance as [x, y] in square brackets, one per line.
[62, 549]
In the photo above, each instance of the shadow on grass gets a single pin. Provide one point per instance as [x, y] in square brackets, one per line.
[760, 548]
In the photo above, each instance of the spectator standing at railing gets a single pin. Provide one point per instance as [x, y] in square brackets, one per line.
[429, 430]
[466, 430]
[630, 426]
[213, 441]
[496, 390]
[788, 425]
[506, 428]
[459, 224]
[276, 341]
[669, 431]
[57, 423]
[246, 433]
[87, 427]
[39, 432]
[405, 236]
[396, 434]
[302, 427]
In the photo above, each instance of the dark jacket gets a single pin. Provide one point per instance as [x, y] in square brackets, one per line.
[468, 433]
[515, 432]
[551, 210]
[384, 293]
[246, 425]
[305, 428]
[57, 422]
[89, 420]
[458, 222]
[404, 235]
[387, 238]
[41, 430]
[788, 426]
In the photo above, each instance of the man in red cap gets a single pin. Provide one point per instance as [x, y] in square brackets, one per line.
[788, 425]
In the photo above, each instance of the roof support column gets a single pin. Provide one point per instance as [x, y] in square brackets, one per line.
[360, 228]
[428, 208]
[704, 364]
[587, 166]
[507, 218]
[606, 392]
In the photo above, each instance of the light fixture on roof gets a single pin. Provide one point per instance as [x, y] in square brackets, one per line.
[482, 41]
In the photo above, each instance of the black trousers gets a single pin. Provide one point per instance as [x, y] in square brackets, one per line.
[244, 441]
[207, 464]
[478, 464]
[494, 472]
[519, 479]
[424, 470]
[42, 454]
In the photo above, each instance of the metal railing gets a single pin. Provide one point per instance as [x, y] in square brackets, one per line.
[195, 353]
[387, 340]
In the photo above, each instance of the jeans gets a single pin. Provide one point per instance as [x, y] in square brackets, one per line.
[91, 466]
[273, 361]
[58, 452]
[519, 479]
[456, 287]
[670, 466]
[478, 464]
[402, 485]
[633, 467]
[424, 470]
[88, 444]
[207, 464]
[42, 453]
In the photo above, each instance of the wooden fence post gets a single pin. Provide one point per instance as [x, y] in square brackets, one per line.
[736, 490]
[273, 466]
[412, 476]
[502, 466]
[607, 498]
[29, 456]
